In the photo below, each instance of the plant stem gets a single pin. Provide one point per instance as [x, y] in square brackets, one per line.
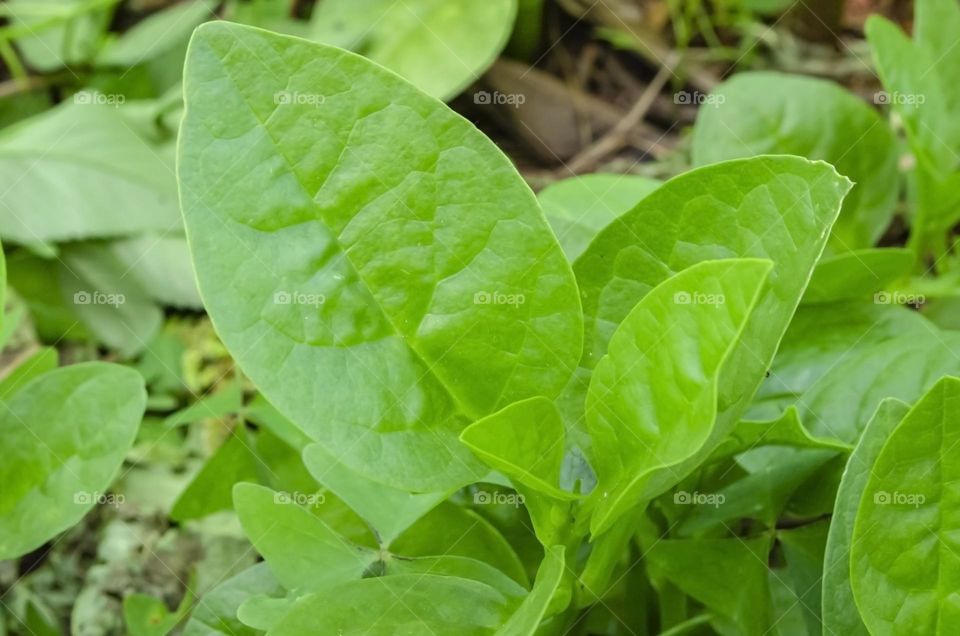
[687, 625]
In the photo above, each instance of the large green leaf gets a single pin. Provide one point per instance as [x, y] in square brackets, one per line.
[79, 171]
[441, 46]
[654, 398]
[580, 207]
[840, 614]
[401, 604]
[773, 113]
[65, 434]
[375, 265]
[768, 207]
[905, 551]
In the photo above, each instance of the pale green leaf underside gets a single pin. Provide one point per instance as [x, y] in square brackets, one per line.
[905, 555]
[376, 265]
[440, 46]
[840, 614]
[65, 435]
[652, 401]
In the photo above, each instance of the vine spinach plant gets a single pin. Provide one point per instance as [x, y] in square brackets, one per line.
[649, 414]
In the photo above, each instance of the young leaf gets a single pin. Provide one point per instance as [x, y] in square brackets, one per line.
[389, 511]
[304, 553]
[439, 46]
[401, 604]
[839, 608]
[773, 113]
[68, 432]
[375, 298]
[905, 556]
[653, 399]
[525, 442]
[580, 207]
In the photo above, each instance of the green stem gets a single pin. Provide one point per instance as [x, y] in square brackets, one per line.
[687, 625]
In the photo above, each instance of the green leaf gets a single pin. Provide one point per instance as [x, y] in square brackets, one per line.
[580, 207]
[840, 614]
[705, 569]
[67, 432]
[527, 618]
[786, 430]
[44, 360]
[440, 46]
[402, 604]
[654, 398]
[216, 613]
[210, 490]
[388, 510]
[82, 158]
[775, 207]
[156, 34]
[921, 85]
[449, 529]
[300, 217]
[904, 561]
[803, 552]
[857, 275]
[525, 442]
[457, 566]
[760, 113]
[304, 553]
